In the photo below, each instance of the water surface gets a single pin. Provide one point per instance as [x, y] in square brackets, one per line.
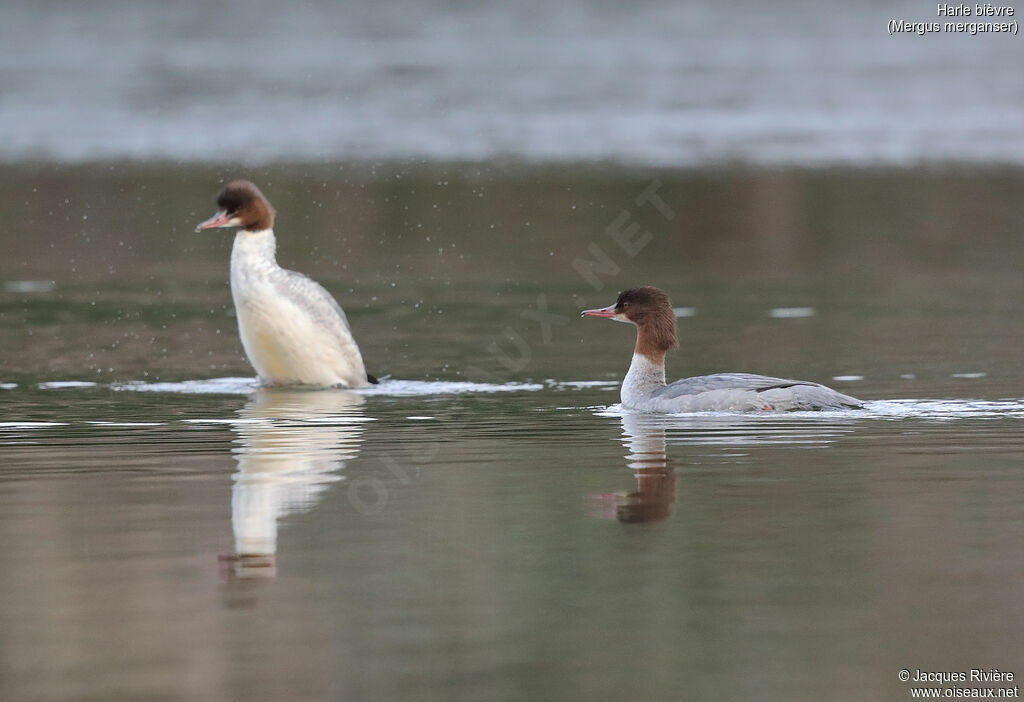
[488, 522]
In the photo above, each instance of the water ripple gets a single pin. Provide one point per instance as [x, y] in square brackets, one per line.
[938, 409]
[391, 388]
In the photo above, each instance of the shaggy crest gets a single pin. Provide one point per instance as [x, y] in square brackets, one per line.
[651, 311]
[242, 199]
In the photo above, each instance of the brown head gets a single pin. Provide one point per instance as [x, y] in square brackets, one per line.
[651, 311]
[241, 204]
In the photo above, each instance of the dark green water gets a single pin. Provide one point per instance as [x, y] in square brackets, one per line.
[517, 541]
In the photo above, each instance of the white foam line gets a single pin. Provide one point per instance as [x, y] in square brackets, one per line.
[212, 386]
[879, 409]
[62, 384]
[405, 388]
[791, 312]
[586, 384]
[126, 424]
[394, 388]
[29, 286]
[31, 425]
[617, 410]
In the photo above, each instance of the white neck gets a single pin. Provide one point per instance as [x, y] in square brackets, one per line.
[644, 377]
[252, 259]
[259, 245]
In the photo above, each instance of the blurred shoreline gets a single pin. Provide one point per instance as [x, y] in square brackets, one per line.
[660, 83]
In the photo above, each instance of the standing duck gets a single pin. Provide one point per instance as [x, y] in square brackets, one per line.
[292, 330]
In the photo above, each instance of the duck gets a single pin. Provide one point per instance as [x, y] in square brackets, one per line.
[644, 389]
[292, 330]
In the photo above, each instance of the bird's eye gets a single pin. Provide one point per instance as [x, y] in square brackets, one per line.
[625, 304]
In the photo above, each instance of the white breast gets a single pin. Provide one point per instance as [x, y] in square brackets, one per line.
[291, 328]
[643, 378]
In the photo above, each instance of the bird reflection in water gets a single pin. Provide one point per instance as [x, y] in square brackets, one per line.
[733, 436]
[291, 445]
[655, 494]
